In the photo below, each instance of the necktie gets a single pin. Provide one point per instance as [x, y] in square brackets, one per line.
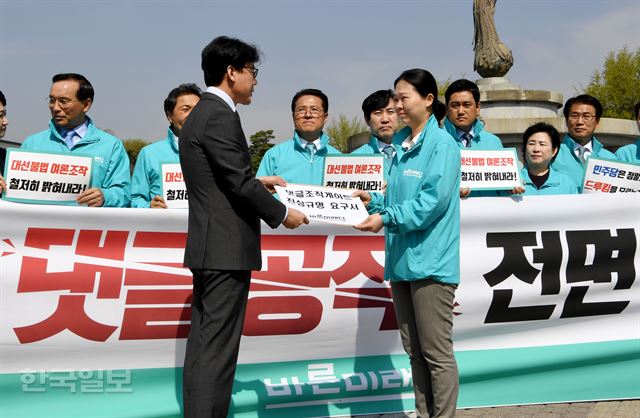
[388, 151]
[466, 138]
[68, 138]
[581, 151]
[311, 149]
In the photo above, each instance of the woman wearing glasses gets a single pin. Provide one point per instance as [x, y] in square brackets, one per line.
[421, 216]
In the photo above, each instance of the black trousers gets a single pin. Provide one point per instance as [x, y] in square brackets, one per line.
[218, 308]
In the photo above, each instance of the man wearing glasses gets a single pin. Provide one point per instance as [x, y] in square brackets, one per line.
[301, 159]
[71, 131]
[582, 116]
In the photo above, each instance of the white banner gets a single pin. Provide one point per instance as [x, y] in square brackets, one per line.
[174, 190]
[362, 172]
[489, 169]
[40, 177]
[86, 288]
[607, 176]
[324, 204]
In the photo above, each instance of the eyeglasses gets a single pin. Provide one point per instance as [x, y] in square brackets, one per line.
[301, 112]
[587, 117]
[62, 101]
[254, 71]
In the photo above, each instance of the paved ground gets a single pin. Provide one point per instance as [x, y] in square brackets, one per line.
[611, 409]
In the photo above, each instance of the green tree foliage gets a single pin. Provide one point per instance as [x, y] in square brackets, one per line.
[260, 144]
[133, 147]
[341, 129]
[617, 86]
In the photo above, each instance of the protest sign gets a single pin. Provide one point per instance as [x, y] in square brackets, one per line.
[489, 169]
[362, 172]
[607, 176]
[43, 177]
[174, 191]
[324, 204]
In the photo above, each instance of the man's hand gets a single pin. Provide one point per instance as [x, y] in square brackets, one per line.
[364, 196]
[465, 192]
[3, 184]
[158, 203]
[516, 190]
[271, 181]
[373, 223]
[91, 197]
[295, 218]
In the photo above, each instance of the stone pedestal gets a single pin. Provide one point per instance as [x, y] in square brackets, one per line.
[508, 110]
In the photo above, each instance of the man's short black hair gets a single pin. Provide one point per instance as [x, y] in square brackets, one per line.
[376, 101]
[182, 89]
[3, 100]
[584, 99]
[223, 52]
[85, 91]
[636, 110]
[311, 92]
[462, 85]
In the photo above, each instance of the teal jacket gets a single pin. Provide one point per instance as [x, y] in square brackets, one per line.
[110, 159]
[481, 139]
[557, 183]
[567, 161]
[421, 209]
[629, 153]
[371, 147]
[291, 161]
[146, 182]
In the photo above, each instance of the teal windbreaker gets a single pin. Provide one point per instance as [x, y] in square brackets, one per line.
[110, 159]
[371, 147]
[629, 153]
[146, 182]
[291, 161]
[557, 183]
[421, 209]
[481, 139]
[567, 161]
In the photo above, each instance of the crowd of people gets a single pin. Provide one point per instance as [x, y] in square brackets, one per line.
[419, 208]
[301, 159]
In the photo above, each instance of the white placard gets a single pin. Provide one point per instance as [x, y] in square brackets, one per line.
[606, 176]
[174, 191]
[324, 204]
[42, 177]
[362, 172]
[489, 169]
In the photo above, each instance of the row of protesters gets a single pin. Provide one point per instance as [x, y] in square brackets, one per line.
[299, 160]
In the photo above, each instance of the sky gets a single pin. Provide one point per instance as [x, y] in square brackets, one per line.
[135, 51]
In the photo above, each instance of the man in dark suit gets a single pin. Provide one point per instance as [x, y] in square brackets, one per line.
[226, 203]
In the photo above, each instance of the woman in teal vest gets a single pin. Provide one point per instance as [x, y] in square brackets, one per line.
[421, 216]
[540, 144]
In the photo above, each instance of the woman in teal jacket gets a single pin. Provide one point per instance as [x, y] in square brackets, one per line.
[540, 144]
[421, 216]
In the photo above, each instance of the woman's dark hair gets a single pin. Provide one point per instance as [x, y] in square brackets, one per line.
[425, 84]
[537, 128]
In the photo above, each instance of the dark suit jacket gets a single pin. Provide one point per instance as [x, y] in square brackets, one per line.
[226, 202]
